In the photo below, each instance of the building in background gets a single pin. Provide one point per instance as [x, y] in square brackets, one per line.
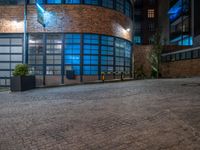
[84, 38]
[163, 21]
[145, 21]
[196, 21]
[180, 17]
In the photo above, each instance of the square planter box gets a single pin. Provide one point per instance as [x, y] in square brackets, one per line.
[22, 83]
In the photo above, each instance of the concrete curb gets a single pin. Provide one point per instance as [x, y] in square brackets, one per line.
[92, 82]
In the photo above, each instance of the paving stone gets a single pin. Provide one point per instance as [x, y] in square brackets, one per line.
[134, 115]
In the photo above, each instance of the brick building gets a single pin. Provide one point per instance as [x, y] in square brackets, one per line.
[196, 22]
[180, 16]
[146, 21]
[84, 37]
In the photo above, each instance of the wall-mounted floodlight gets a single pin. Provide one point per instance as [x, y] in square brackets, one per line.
[40, 7]
[128, 29]
[40, 14]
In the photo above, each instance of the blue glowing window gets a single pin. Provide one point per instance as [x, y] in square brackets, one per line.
[175, 11]
[91, 39]
[72, 49]
[137, 39]
[53, 1]
[92, 2]
[90, 70]
[76, 69]
[107, 3]
[106, 60]
[91, 49]
[90, 60]
[73, 38]
[107, 40]
[38, 1]
[72, 1]
[107, 50]
[72, 59]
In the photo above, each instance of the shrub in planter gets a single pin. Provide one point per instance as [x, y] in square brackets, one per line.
[21, 80]
[21, 70]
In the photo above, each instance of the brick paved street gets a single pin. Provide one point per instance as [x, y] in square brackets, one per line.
[137, 115]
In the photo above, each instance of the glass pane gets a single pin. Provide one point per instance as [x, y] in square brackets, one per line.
[4, 49]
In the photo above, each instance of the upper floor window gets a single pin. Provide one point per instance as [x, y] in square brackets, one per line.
[92, 2]
[137, 40]
[72, 1]
[53, 1]
[11, 2]
[124, 6]
[128, 9]
[151, 13]
[107, 3]
[34, 1]
[120, 5]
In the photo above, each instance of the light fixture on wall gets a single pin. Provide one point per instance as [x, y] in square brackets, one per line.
[128, 29]
[15, 23]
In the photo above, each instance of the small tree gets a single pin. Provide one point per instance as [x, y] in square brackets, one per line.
[21, 70]
[155, 55]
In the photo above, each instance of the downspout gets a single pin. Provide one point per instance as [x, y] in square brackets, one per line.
[25, 32]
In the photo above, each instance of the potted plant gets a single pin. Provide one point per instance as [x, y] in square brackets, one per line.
[21, 80]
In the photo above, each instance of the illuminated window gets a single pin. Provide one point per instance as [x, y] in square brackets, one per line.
[72, 51]
[90, 51]
[107, 3]
[72, 1]
[92, 2]
[53, 1]
[137, 39]
[151, 13]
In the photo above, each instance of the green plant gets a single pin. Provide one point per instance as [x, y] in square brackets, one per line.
[155, 55]
[20, 70]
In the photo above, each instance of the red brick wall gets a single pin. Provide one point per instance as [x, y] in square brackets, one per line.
[11, 19]
[68, 18]
[184, 68]
[140, 59]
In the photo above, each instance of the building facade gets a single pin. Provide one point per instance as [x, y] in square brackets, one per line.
[180, 16]
[83, 37]
[196, 22]
[145, 21]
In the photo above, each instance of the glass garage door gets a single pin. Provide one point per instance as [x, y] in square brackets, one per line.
[10, 55]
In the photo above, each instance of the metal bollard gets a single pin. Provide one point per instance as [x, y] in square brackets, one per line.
[103, 77]
[122, 76]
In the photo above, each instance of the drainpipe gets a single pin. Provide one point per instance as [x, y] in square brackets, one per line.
[25, 32]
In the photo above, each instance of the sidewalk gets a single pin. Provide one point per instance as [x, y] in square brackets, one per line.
[90, 82]
[2, 89]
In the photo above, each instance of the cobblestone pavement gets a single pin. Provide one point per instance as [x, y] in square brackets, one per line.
[135, 115]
